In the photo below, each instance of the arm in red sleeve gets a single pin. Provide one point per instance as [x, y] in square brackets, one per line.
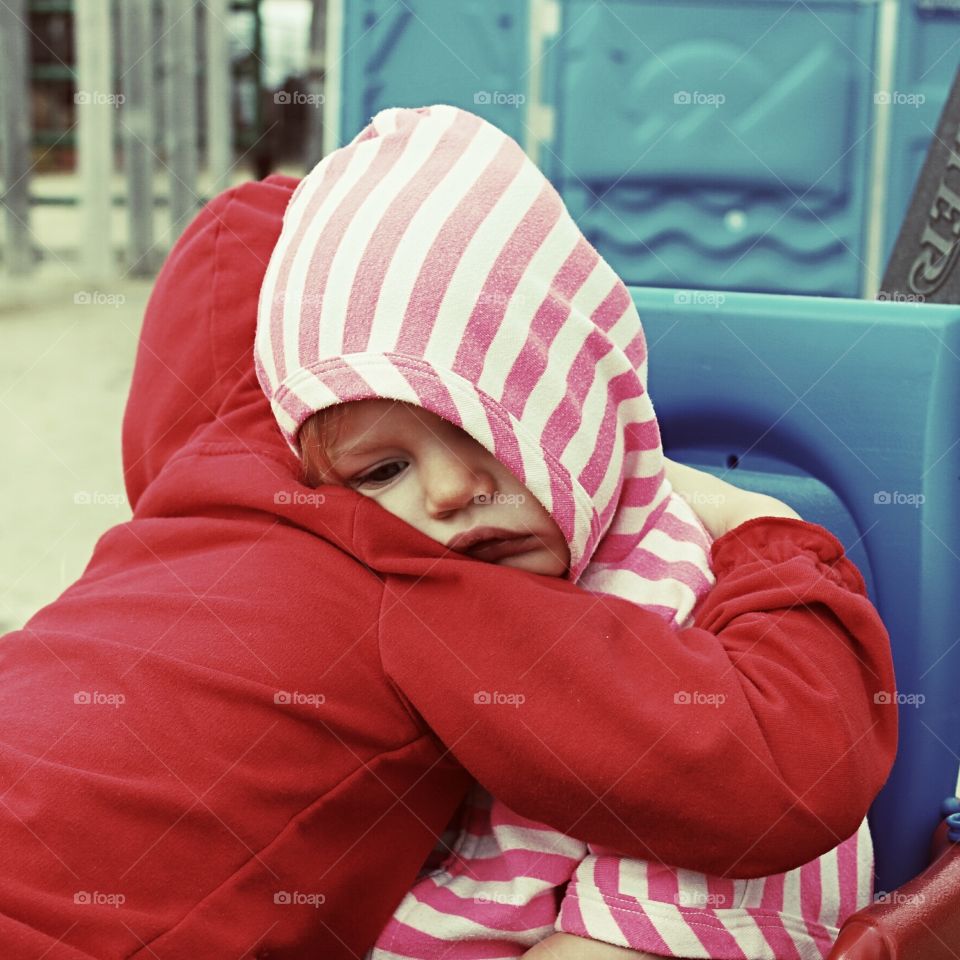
[743, 746]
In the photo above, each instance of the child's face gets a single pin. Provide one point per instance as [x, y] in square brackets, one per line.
[437, 478]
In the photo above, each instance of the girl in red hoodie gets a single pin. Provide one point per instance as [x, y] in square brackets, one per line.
[453, 347]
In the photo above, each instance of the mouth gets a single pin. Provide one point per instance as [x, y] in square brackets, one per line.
[492, 543]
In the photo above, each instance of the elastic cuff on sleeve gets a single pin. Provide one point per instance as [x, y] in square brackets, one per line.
[780, 539]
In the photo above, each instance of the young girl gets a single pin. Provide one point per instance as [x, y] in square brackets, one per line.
[452, 346]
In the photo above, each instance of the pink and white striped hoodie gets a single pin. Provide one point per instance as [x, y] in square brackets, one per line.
[430, 261]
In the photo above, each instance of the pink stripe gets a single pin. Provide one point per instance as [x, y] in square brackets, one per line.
[635, 926]
[339, 162]
[539, 911]
[392, 227]
[431, 391]
[448, 248]
[506, 447]
[613, 306]
[567, 415]
[772, 896]
[650, 567]
[636, 351]
[722, 892]
[781, 941]
[330, 240]
[714, 936]
[642, 435]
[624, 386]
[531, 361]
[501, 282]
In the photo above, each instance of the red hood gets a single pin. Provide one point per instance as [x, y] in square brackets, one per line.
[194, 373]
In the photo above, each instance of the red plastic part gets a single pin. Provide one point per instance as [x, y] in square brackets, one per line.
[918, 921]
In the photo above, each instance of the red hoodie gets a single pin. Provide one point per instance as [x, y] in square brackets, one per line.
[241, 731]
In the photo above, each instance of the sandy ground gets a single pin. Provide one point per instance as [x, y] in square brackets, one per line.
[66, 356]
[65, 369]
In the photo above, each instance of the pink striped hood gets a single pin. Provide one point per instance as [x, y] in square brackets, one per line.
[430, 261]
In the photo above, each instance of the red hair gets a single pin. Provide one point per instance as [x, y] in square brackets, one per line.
[316, 438]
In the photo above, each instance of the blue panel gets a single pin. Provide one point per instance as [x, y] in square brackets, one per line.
[850, 411]
[471, 54]
[928, 54]
[717, 144]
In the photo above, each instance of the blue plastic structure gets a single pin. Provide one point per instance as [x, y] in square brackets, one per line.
[849, 411]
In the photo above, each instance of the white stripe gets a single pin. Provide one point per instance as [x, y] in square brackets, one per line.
[527, 298]
[478, 258]
[675, 931]
[350, 247]
[829, 889]
[364, 155]
[422, 231]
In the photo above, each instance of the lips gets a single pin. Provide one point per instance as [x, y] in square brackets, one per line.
[492, 543]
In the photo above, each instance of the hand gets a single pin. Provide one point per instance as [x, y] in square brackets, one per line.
[720, 505]
[565, 946]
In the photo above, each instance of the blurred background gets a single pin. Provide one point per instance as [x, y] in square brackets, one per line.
[754, 145]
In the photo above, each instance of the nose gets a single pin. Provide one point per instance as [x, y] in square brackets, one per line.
[454, 481]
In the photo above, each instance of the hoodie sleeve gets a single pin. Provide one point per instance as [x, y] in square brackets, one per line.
[743, 746]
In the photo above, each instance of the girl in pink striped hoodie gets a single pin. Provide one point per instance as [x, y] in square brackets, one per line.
[453, 346]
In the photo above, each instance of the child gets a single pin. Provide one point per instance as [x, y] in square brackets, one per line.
[455, 348]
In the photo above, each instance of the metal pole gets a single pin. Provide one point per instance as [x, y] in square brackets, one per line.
[180, 45]
[96, 103]
[137, 119]
[316, 65]
[218, 96]
[15, 136]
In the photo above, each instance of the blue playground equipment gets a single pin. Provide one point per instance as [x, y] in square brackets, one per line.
[745, 165]
[848, 410]
[758, 145]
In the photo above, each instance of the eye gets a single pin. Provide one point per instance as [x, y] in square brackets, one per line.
[379, 475]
